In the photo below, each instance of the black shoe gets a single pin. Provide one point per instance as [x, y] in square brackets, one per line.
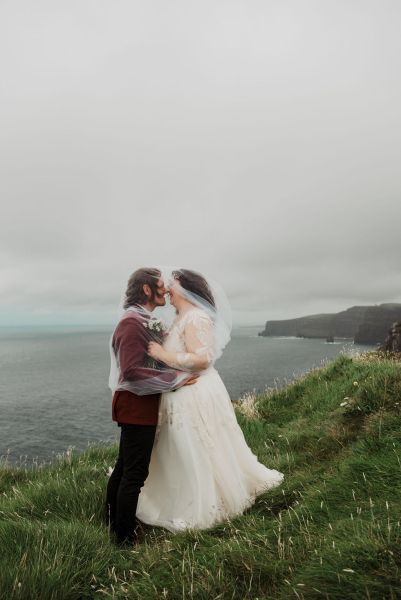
[126, 543]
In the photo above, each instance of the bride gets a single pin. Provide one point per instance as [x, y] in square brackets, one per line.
[202, 471]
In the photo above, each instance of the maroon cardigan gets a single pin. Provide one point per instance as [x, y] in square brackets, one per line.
[130, 343]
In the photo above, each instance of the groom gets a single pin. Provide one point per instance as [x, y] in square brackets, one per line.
[135, 414]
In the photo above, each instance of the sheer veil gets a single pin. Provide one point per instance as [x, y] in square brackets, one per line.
[216, 306]
[147, 378]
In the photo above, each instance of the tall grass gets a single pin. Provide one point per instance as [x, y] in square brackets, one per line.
[331, 531]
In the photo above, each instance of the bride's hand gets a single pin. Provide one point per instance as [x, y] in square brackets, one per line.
[155, 350]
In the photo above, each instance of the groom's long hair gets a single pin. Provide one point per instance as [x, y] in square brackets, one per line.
[135, 293]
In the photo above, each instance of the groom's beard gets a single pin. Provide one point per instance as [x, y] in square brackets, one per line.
[159, 298]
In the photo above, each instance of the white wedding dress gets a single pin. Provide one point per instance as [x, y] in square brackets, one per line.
[202, 471]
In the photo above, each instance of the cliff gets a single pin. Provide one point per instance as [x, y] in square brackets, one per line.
[330, 531]
[392, 343]
[364, 324]
[376, 323]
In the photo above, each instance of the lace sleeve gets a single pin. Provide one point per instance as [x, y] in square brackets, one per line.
[199, 342]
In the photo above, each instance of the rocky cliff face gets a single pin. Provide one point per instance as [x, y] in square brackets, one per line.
[377, 322]
[392, 343]
[312, 326]
[346, 322]
[364, 324]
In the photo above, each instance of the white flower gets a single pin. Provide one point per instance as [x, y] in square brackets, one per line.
[154, 325]
[343, 403]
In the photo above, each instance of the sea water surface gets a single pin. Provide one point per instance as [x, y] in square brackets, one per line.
[53, 383]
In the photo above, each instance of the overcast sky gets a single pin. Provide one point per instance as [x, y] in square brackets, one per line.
[258, 141]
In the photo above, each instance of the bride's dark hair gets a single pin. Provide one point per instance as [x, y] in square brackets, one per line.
[195, 283]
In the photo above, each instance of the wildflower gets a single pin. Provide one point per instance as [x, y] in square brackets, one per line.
[247, 405]
[343, 403]
[355, 384]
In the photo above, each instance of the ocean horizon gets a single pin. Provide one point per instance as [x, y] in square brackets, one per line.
[53, 387]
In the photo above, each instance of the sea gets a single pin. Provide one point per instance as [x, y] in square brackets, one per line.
[53, 383]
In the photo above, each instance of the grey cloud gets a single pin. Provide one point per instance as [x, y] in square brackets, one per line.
[257, 142]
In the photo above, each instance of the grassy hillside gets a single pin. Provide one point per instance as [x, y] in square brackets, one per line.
[331, 531]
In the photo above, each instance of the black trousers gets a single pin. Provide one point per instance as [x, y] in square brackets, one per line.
[129, 474]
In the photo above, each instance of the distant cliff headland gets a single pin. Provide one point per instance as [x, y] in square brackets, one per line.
[364, 324]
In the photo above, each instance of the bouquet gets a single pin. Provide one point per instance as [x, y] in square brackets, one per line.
[156, 331]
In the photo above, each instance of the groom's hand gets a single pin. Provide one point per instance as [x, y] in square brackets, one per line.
[193, 379]
[190, 381]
